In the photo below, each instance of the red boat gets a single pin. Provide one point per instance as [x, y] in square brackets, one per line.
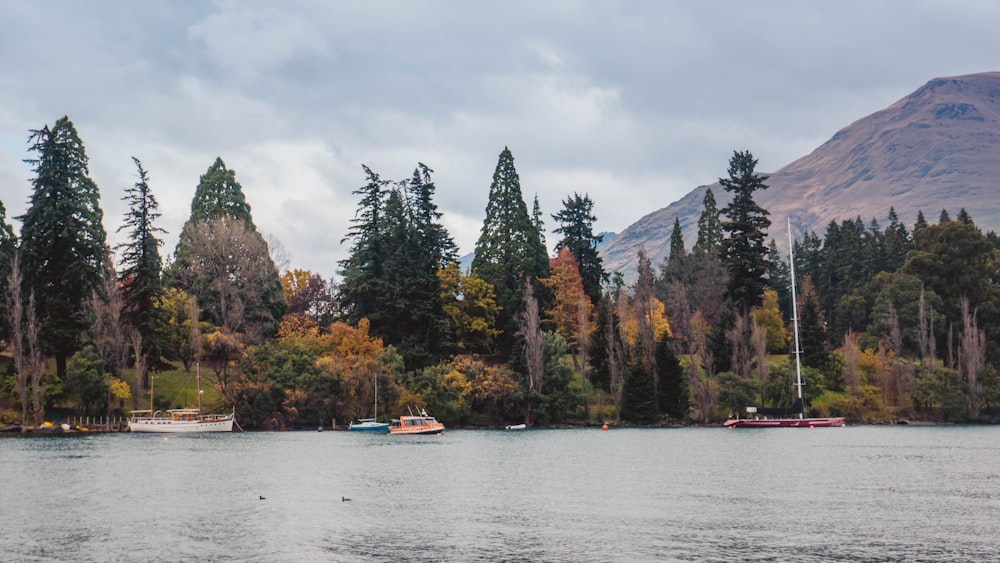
[832, 422]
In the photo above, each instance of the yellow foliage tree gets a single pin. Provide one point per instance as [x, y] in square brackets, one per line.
[470, 306]
[768, 316]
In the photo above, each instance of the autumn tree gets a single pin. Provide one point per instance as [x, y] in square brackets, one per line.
[743, 251]
[572, 309]
[470, 307]
[576, 220]
[63, 247]
[509, 249]
[308, 294]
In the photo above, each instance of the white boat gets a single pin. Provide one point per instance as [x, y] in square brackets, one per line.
[521, 426]
[175, 421]
[370, 424]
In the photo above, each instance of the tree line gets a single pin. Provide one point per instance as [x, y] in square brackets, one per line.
[894, 323]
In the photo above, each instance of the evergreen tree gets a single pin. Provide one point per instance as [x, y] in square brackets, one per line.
[537, 220]
[638, 396]
[743, 251]
[677, 251]
[509, 249]
[218, 194]
[964, 217]
[920, 223]
[141, 267]
[63, 251]
[674, 394]
[576, 220]
[944, 217]
[224, 262]
[897, 242]
[710, 234]
[362, 291]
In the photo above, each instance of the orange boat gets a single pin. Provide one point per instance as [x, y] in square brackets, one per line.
[416, 424]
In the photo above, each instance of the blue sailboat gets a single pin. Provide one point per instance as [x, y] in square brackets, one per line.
[370, 424]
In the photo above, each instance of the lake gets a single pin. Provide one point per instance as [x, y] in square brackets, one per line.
[693, 494]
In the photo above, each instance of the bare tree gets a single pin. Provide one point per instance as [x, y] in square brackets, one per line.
[230, 269]
[15, 310]
[110, 335]
[530, 330]
[702, 369]
[925, 333]
[737, 337]
[583, 324]
[852, 354]
[135, 338]
[758, 336]
[972, 356]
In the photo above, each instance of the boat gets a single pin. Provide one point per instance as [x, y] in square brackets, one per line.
[370, 424]
[416, 424]
[176, 421]
[780, 417]
[521, 426]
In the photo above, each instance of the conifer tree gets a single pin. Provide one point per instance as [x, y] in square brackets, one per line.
[743, 251]
[509, 249]
[710, 233]
[224, 262]
[392, 275]
[362, 290]
[63, 250]
[677, 251]
[141, 267]
[576, 220]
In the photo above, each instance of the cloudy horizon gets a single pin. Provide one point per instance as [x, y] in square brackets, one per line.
[635, 103]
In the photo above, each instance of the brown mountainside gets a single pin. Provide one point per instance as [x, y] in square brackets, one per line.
[938, 148]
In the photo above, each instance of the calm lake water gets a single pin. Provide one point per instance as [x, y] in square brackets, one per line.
[698, 494]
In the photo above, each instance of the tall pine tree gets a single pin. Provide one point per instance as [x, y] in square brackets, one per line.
[140, 268]
[63, 250]
[509, 249]
[743, 251]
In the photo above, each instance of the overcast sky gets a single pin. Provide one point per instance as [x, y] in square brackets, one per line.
[634, 103]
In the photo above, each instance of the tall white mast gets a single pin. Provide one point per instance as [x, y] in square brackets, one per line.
[795, 316]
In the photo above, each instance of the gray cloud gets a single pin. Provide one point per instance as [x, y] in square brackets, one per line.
[633, 102]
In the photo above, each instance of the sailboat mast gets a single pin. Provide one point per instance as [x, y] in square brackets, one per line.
[376, 397]
[795, 314]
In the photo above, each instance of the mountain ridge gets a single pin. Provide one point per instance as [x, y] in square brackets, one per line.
[934, 149]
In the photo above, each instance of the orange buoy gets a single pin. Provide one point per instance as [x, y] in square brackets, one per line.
[605, 427]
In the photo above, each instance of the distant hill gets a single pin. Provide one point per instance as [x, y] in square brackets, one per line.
[938, 148]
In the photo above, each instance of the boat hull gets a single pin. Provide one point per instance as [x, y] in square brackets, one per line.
[517, 426]
[166, 426]
[832, 422]
[376, 427]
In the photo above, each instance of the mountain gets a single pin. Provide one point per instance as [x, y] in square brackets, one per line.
[938, 148]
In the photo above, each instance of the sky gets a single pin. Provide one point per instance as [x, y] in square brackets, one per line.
[634, 103]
